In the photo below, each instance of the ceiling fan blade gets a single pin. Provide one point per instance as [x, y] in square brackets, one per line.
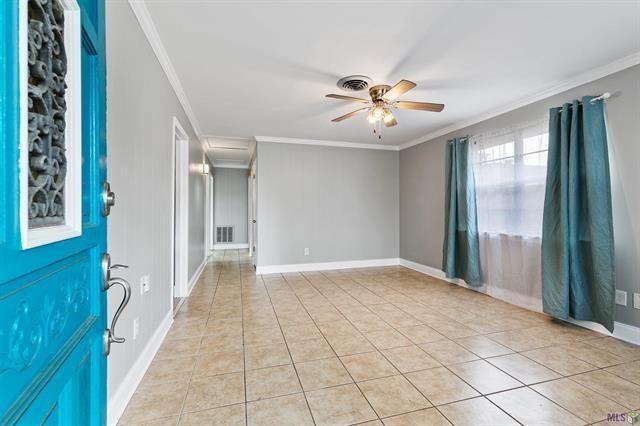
[422, 106]
[349, 115]
[348, 98]
[402, 87]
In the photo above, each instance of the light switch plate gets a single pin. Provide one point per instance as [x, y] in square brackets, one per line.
[306, 251]
[621, 297]
[636, 300]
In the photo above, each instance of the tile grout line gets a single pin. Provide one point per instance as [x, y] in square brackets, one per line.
[376, 350]
[336, 354]
[288, 350]
[184, 401]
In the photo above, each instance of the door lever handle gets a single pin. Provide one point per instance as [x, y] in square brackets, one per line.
[109, 333]
[107, 267]
[118, 266]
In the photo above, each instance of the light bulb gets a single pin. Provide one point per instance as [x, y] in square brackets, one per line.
[378, 113]
[371, 118]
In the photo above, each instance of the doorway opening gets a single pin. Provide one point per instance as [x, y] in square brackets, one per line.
[180, 217]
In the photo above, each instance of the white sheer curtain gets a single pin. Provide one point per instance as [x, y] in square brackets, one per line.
[510, 171]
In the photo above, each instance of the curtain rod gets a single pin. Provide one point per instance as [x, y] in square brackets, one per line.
[604, 96]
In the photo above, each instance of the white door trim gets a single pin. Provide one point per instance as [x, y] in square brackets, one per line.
[179, 211]
[211, 204]
[207, 212]
[250, 212]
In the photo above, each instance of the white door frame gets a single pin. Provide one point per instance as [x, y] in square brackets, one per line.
[212, 217]
[250, 211]
[180, 211]
[208, 213]
[254, 211]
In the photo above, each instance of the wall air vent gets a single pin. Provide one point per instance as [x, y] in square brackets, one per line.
[224, 234]
[354, 83]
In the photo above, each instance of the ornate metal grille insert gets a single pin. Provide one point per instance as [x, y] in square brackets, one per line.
[47, 68]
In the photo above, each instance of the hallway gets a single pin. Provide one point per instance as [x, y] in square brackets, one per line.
[370, 345]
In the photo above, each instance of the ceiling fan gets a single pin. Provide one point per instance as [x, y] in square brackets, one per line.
[383, 99]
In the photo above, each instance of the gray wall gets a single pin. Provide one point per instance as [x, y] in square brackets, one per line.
[422, 180]
[140, 108]
[230, 202]
[341, 203]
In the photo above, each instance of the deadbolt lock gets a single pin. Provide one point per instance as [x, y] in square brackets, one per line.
[108, 199]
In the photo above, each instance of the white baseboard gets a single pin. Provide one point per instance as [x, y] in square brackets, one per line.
[120, 398]
[324, 266]
[196, 275]
[626, 332]
[230, 246]
[433, 272]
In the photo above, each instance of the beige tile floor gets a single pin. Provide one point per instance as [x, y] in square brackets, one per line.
[374, 346]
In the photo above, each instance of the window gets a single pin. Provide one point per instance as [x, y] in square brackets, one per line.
[510, 173]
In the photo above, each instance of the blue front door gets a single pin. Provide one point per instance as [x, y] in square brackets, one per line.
[52, 230]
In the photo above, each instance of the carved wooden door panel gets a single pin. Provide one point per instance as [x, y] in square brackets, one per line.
[52, 232]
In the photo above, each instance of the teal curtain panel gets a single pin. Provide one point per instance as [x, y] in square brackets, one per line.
[460, 252]
[578, 277]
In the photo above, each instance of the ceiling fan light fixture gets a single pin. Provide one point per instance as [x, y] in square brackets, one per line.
[388, 116]
[378, 112]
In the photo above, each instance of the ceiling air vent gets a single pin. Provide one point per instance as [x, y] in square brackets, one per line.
[354, 83]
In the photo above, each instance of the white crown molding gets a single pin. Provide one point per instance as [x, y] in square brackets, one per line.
[554, 89]
[273, 139]
[141, 12]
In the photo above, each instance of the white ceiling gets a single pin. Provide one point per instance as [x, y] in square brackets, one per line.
[262, 68]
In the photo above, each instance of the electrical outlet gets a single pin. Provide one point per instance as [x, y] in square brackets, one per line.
[636, 300]
[136, 327]
[145, 283]
[621, 297]
[306, 251]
